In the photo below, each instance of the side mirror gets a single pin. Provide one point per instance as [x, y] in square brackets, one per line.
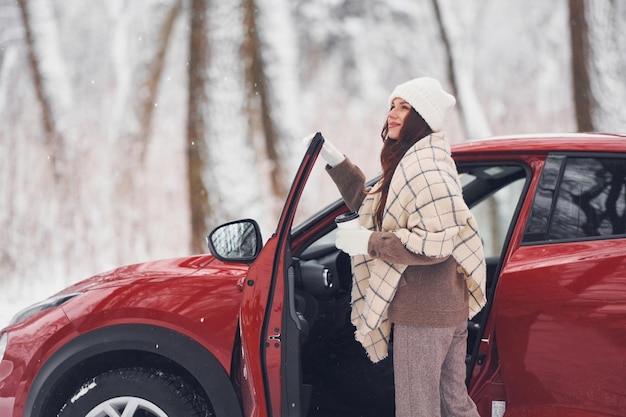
[237, 241]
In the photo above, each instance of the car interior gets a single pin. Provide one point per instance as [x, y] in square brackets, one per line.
[337, 378]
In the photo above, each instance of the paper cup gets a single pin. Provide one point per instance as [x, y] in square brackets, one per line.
[349, 220]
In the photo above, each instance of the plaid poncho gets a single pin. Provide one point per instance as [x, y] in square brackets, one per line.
[426, 211]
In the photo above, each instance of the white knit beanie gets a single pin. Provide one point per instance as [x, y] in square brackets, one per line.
[427, 98]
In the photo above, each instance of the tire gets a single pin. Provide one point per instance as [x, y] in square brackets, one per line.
[135, 392]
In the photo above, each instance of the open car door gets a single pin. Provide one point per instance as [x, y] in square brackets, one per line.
[268, 384]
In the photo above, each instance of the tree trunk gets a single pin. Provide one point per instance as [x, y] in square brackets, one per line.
[196, 128]
[259, 107]
[606, 65]
[471, 128]
[579, 35]
[52, 136]
[153, 78]
[450, 65]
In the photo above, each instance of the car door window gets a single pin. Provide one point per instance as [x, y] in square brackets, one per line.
[492, 192]
[587, 201]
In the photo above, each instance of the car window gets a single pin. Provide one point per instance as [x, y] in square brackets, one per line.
[579, 198]
[319, 191]
[493, 192]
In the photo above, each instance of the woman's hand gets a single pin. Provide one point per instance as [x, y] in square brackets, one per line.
[331, 155]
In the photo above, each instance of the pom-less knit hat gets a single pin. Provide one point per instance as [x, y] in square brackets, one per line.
[427, 97]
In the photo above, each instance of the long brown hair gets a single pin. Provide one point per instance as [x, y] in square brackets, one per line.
[413, 129]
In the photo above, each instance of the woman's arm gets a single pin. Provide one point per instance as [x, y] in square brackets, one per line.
[388, 247]
[350, 181]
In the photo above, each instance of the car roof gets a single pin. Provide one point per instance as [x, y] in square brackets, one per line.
[542, 143]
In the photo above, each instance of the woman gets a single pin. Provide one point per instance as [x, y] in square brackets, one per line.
[417, 260]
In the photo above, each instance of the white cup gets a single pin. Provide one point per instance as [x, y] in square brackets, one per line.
[349, 220]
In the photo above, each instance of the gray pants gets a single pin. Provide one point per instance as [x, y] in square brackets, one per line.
[429, 372]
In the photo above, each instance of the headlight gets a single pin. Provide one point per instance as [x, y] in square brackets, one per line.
[44, 305]
[3, 344]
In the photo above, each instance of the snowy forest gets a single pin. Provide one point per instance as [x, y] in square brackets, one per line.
[129, 129]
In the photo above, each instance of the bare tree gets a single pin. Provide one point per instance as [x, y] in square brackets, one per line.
[136, 97]
[259, 107]
[450, 64]
[53, 139]
[153, 77]
[135, 108]
[605, 66]
[579, 35]
[471, 127]
[199, 56]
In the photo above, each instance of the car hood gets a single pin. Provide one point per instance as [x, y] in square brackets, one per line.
[161, 271]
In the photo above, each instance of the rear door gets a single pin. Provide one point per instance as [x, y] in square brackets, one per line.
[561, 299]
[269, 344]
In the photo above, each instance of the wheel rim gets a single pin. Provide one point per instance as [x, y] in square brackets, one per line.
[126, 407]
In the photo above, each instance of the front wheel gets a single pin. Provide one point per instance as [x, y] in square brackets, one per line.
[136, 392]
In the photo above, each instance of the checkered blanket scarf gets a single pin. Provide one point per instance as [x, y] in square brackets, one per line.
[426, 211]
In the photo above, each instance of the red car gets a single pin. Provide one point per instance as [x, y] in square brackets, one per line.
[264, 330]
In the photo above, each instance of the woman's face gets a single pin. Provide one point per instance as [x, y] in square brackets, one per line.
[398, 112]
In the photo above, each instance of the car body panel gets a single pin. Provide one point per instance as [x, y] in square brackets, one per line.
[147, 272]
[210, 318]
[262, 312]
[26, 357]
[253, 307]
[564, 342]
[543, 143]
[202, 304]
[563, 349]
[486, 385]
